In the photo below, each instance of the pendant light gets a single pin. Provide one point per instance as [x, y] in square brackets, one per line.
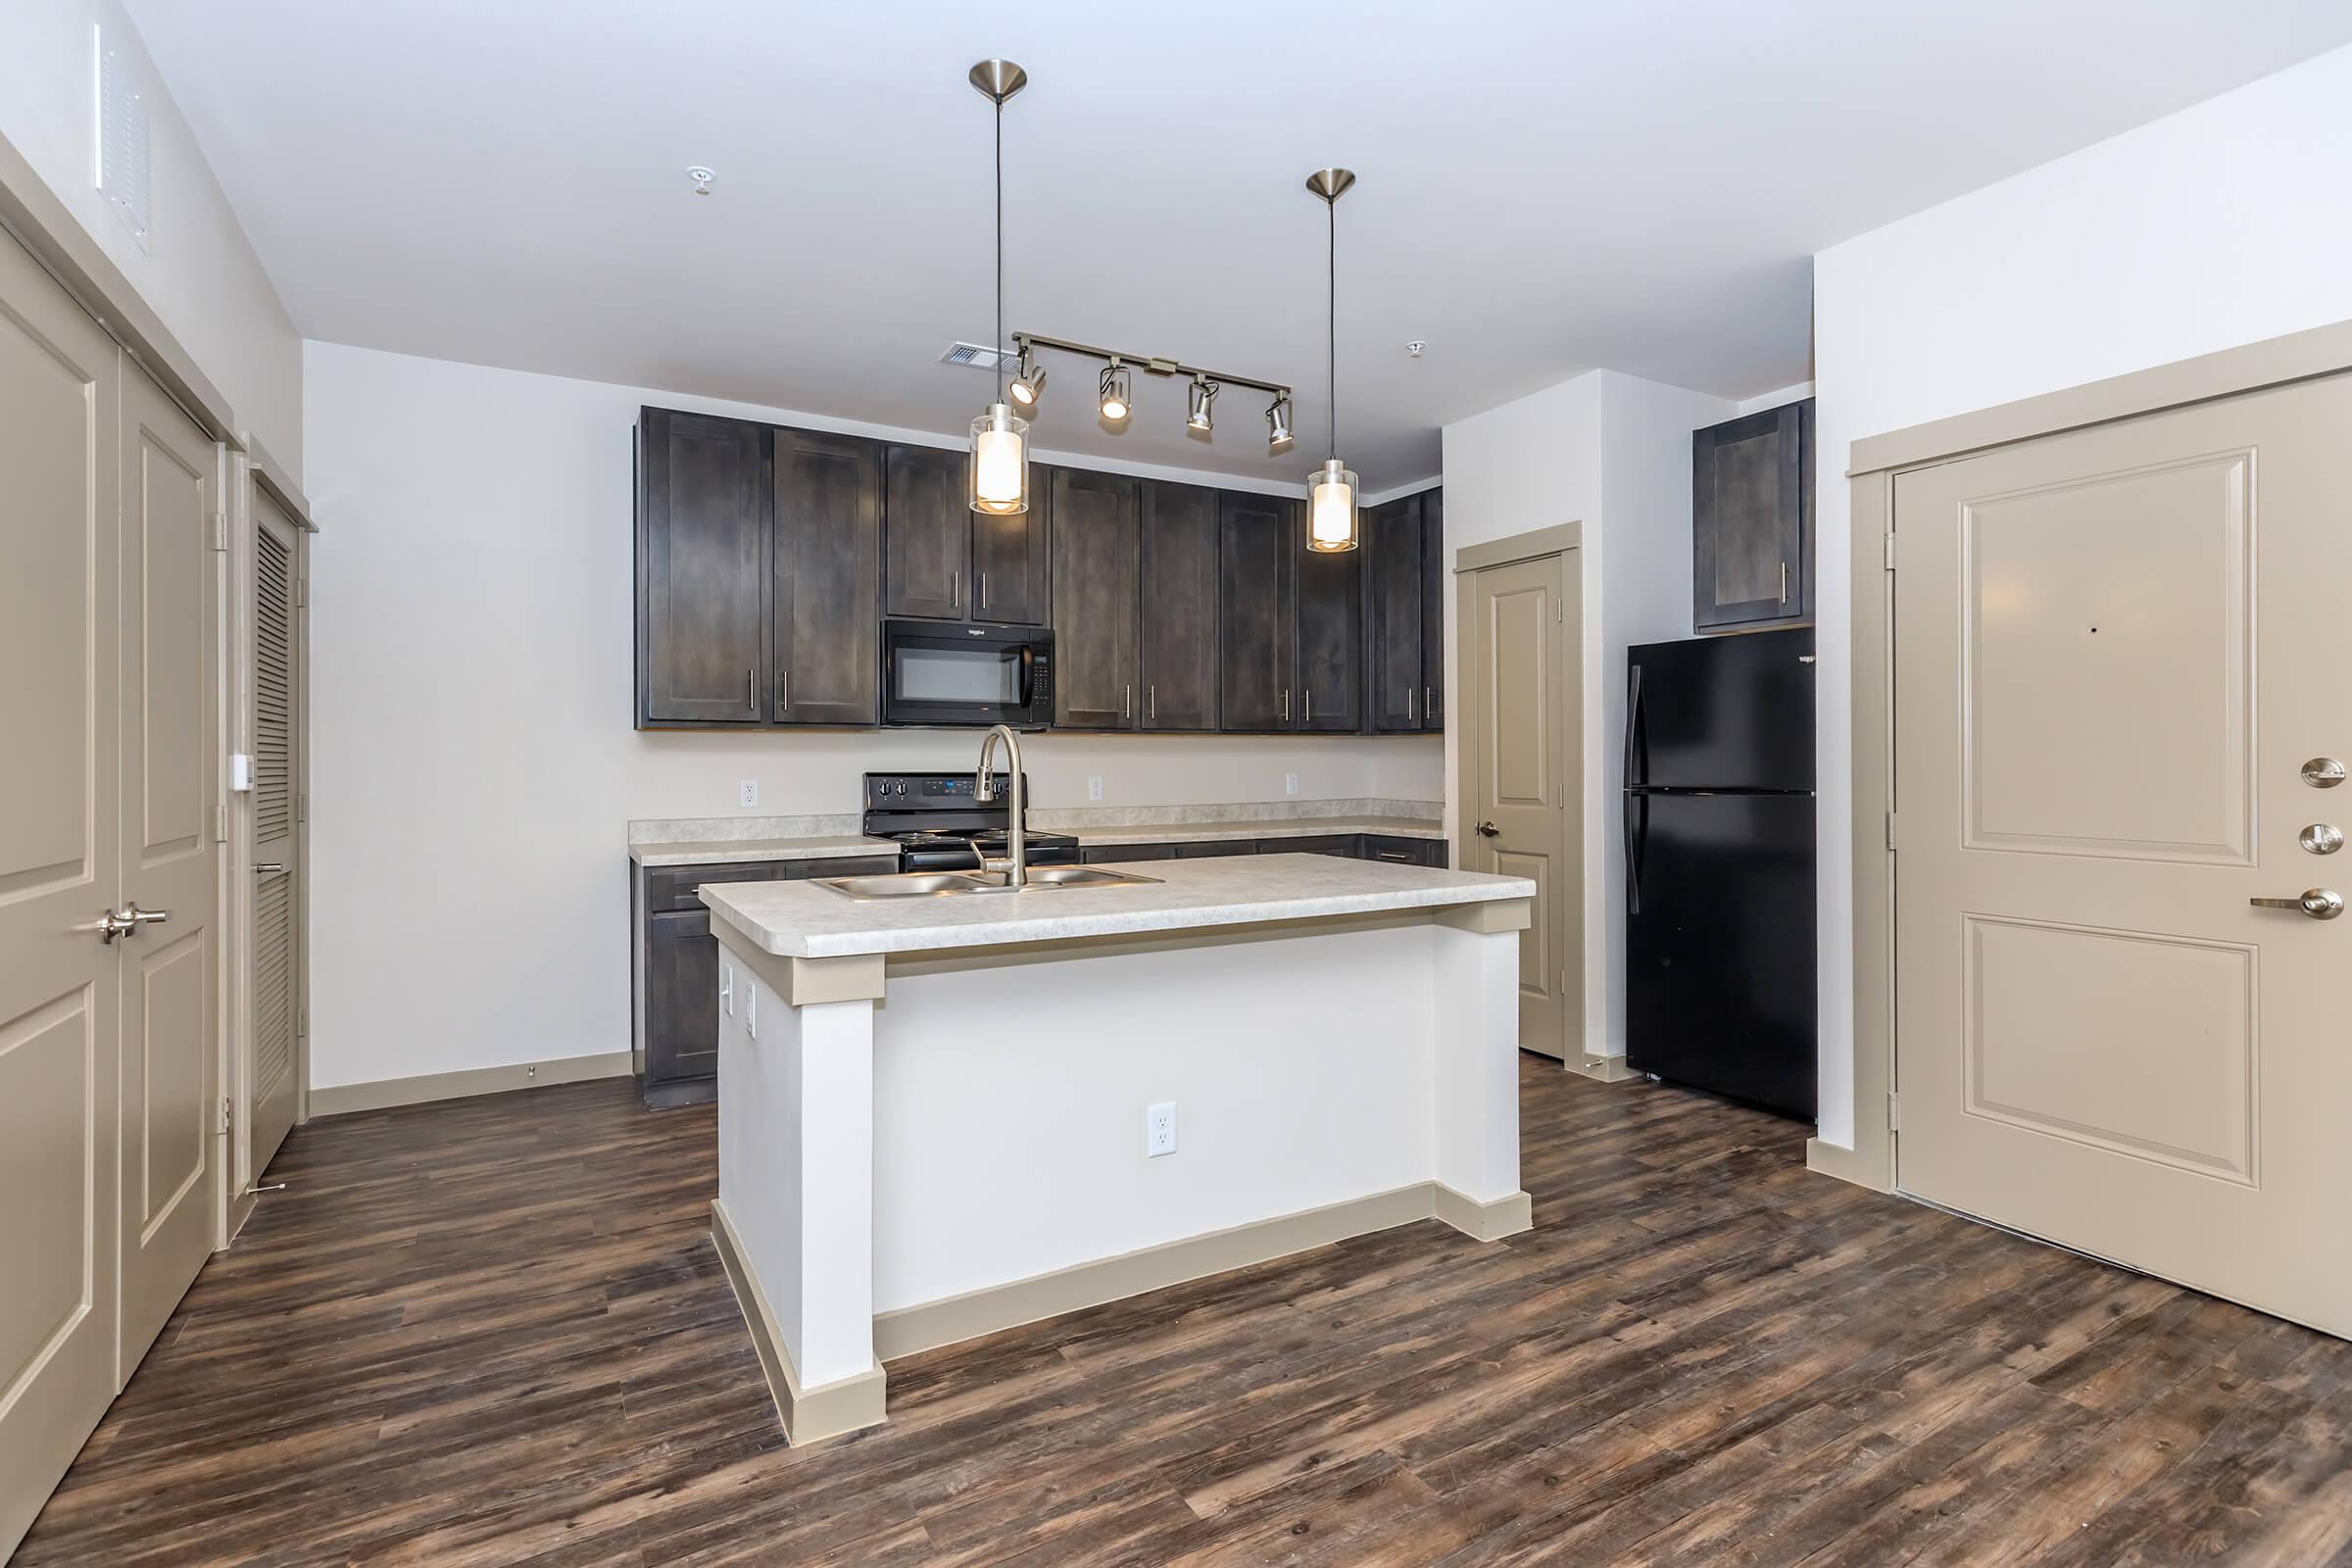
[1000, 461]
[1330, 490]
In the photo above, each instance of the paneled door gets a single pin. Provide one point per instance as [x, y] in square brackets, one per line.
[1525, 700]
[275, 956]
[59, 873]
[2121, 717]
[169, 870]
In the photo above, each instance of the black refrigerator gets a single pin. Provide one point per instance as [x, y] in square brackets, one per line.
[1717, 846]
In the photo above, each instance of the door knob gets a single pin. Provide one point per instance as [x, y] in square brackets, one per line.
[1488, 830]
[127, 921]
[2322, 772]
[2320, 903]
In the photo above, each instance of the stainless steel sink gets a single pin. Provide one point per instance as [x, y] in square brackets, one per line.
[946, 884]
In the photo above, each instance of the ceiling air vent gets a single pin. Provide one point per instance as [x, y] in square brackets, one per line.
[122, 170]
[978, 356]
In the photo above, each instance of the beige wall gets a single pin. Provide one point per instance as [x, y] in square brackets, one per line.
[201, 276]
[473, 758]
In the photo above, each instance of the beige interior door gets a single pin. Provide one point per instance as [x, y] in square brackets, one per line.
[58, 872]
[2115, 652]
[1524, 632]
[172, 1103]
[277, 863]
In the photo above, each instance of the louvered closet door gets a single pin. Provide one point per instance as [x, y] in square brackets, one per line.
[276, 934]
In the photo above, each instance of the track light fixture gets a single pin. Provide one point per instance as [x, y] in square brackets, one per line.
[998, 470]
[1278, 427]
[1198, 414]
[1117, 392]
[1114, 390]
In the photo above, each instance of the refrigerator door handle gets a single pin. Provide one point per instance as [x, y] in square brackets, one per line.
[1632, 726]
[1636, 836]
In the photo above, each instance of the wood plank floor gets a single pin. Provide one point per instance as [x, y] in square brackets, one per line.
[494, 1331]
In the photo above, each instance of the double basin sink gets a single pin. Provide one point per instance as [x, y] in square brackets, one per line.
[956, 884]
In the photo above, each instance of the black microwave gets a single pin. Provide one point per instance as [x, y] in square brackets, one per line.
[950, 672]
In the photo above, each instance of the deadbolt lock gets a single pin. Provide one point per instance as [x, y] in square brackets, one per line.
[2322, 838]
[2322, 772]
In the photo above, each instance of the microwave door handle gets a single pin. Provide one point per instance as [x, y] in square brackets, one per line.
[1028, 675]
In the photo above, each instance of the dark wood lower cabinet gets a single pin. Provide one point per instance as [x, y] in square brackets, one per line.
[678, 1010]
[1347, 845]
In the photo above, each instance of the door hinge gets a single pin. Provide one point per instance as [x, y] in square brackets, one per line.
[220, 522]
[302, 806]
[1890, 830]
[1894, 1112]
[1890, 551]
[220, 824]
[226, 1114]
[302, 592]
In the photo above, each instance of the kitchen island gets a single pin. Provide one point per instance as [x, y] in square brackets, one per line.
[936, 1114]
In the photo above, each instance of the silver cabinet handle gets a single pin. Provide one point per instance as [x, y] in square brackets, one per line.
[1429, 702]
[984, 590]
[2322, 772]
[1310, 718]
[2320, 903]
[954, 590]
[783, 690]
[1151, 701]
[751, 687]
[1285, 704]
[1784, 582]
[1410, 716]
[1127, 701]
[269, 868]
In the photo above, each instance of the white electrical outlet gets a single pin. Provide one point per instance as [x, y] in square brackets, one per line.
[1290, 783]
[1159, 1129]
[747, 793]
[1094, 786]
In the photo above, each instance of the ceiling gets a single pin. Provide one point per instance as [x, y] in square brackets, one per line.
[1545, 188]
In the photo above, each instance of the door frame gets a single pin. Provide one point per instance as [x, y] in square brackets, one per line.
[1566, 541]
[1874, 465]
[255, 469]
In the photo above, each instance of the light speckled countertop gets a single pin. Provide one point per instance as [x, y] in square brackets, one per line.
[807, 920]
[719, 852]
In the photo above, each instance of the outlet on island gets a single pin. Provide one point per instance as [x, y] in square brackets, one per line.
[1159, 1129]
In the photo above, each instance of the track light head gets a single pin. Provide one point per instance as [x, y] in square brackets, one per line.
[1278, 427]
[1118, 396]
[1028, 383]
[1199, 411]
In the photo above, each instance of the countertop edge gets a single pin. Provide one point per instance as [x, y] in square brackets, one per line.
[724, 852]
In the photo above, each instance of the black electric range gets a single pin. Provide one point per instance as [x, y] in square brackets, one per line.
[939, 825]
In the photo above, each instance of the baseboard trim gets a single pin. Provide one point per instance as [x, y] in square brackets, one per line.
[954, 1318]
[1846, 1164]
[341, 1100]
[1605, 1069]
[809, 1415]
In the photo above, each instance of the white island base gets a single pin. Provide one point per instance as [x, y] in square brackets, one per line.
[932, 1116]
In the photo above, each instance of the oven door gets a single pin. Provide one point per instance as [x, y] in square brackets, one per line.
[940, 672]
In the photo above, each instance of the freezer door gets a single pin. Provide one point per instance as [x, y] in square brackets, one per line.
[1721, 712]
[1719, 943]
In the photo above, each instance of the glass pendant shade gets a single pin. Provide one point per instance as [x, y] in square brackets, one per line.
[999, 465]
[1331, 508]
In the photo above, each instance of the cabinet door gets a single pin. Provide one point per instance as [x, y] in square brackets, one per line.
[681, 997]
[1404, 851]
[1223, 847]
[1256, 635]
[1751, 519]
[1176, 554]
[1112, 853]
[1346, 845]
[828, 587]
[926, 534]
[1331, 638]
[1435, 587]
[1094, 599]
[1392, 614]
[1010, 561]
[702, 570]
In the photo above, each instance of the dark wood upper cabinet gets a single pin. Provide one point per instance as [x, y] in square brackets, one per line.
[1011, 566]
[1331, 630]
[1393, 620]
[828, 583]
[1093, 537]
[1751, 519]
[927, 536]
[1434, 588]
[703, 654]
[1256, 626]
[1176, 554]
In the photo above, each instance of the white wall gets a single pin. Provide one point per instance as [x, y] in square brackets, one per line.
[474, 760]
[1610, 451]
[201, 277]
[2220, 226]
